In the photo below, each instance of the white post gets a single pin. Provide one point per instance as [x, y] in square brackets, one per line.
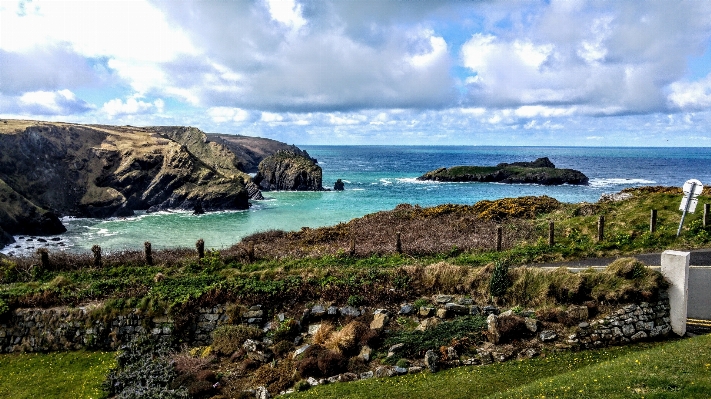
[675, 267]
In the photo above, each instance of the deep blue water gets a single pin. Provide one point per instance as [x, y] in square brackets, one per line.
[380, 177]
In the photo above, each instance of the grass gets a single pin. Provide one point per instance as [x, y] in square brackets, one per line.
[676, 369]
[54, 375]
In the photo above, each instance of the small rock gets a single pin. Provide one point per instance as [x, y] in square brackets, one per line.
[262, 393]
[393, 350]
[312, 381]
[332, 311]
[347, 377]
[281, 317]
[384, 371]
[366, 375]
[507, 313]
[406, 309]
[547, 335]
[427, 323]
[493, 328]
[474, 310]
[431, 360]
[584, 325]
[457, 308]
[349, 311]
[465, 301]
[531, 353]
[442, 299]
[531, 324]
[318, 310]
[255, 307]
[426, 312]
[338, 185]
[638, 336]
[365, 353]
[380, 320]
[414, 370]
[400, 370]
[300, 350]
[253, 314]
[442, 313]
[313, 328]
[490, 309]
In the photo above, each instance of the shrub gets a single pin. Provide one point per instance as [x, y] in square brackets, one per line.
[4, 308]
[416, 343]
[500, 280]
[227, 339]
[345, 340]
[323, 333]
[143, 371]
[287, 331]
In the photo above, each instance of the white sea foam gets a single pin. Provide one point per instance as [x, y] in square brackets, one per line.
[602, 182]
[413, 180]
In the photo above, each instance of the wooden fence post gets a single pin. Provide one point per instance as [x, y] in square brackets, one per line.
[601, 228]
[147, 251]
[707, 215]
[499, 237]
[653, 221]
[352, 250]
[551, 233]
[200, 246]
[44, 258]
[97, 255]
[398, 243]
[250, 251]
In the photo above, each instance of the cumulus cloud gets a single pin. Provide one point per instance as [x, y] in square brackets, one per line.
[131, 106]
[46, 103]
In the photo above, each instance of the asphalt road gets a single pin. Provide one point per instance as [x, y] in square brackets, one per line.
[699, 257]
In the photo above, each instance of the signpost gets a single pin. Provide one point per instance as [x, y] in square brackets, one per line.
[692, 188]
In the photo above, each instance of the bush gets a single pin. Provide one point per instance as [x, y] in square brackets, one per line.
[443, 334]
[4, 308]
[500, 280]
[143, 371]
[227, 339]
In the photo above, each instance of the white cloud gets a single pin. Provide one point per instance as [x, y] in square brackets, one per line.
[691, 95]
[286, 12]
[131, 106]
[227, 114]
[59, 102]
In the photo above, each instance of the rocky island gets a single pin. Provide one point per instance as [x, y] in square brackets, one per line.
[49, 170]
[540, 171]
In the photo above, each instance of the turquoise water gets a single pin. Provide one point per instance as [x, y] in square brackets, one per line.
[378, 178]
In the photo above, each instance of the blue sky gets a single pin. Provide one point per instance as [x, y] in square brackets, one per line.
[619, 73]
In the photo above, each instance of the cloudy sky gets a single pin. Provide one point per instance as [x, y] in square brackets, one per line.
[619, 73]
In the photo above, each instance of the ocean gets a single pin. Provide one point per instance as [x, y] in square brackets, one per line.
[379, 178]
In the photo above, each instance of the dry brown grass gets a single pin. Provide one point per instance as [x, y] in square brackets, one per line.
[423, 231]
[323, 333]
[345, 339]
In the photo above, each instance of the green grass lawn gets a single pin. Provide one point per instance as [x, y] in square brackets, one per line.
[676, 369]
[54, 375]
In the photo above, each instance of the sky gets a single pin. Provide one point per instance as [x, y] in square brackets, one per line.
[403, 72]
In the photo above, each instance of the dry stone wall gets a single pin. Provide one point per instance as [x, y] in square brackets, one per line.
[41, 330]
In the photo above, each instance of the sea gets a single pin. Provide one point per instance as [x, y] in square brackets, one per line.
[379, 178]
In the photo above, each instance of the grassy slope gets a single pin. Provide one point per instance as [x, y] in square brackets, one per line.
[678, 369]
[54, 375]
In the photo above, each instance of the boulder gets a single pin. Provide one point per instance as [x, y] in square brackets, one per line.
[431, 361]
[547, 335]
[380, 320]
[339, 186]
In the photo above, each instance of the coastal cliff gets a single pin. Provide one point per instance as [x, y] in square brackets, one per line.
[61, 169]
[540, 171]
[291, 171]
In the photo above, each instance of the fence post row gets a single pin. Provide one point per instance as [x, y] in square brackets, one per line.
[147, 251]
[601, 228]
[352, 250]
[499, 237]
[707, 215]
[398, 243]
[551, 233]
[250, 251]
[97, 255]
[200, 246]
[653, 221]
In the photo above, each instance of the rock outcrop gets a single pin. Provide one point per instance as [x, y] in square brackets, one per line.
[61, 169]
[290, 171]
[250, 151]
[540, 171]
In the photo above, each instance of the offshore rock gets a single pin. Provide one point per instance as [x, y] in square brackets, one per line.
[289, 171]
[338, 185]
[540, 171]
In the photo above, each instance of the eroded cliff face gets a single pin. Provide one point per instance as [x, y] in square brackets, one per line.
[103, 171]
[290, 171]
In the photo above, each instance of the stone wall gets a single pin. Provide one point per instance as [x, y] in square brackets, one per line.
[33, 330]
[41, 330]
[633, 322]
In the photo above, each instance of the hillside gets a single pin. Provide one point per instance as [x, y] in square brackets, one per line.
[49, 170]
